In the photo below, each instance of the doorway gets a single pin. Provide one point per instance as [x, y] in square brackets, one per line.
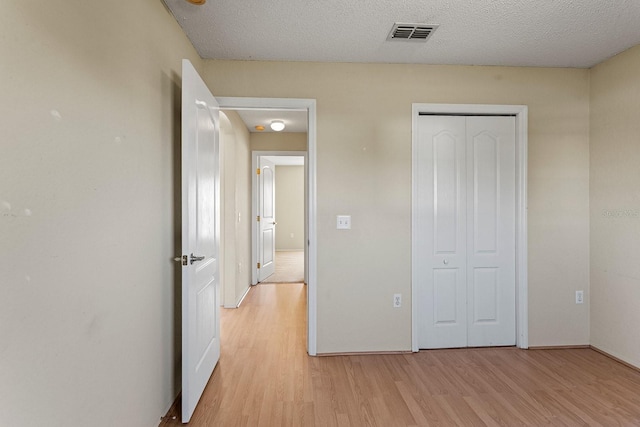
[448, 307]
[308, 106]
[280, 231]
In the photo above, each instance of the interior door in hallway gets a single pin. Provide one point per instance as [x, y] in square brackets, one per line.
[466, 231]
[200, 237]
[267, 218]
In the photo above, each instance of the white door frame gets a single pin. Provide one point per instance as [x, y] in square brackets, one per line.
[255, 210]
[309, 105]
[521, 116]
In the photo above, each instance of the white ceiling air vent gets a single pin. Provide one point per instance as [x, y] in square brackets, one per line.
[413, 32]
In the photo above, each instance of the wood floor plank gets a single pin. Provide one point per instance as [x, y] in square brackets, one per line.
[459, 411]
[265, 378]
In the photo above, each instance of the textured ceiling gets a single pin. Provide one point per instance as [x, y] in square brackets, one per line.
[543, 33]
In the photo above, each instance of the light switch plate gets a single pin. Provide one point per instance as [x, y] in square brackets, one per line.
[343, 222]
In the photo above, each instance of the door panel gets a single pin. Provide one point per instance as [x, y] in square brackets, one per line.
[442, 245]
[267, 213]
[200, 238]
[267, 253]
[485, 295]
[491, 231]
[485, 193]
[446, 183]
[445, 292]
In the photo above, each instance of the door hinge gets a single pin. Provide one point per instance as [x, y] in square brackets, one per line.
[258, 171]
[258, 265]
[258, 218]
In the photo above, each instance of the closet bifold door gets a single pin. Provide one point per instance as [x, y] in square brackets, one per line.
[442, 289]
[466, 231]
[491, 291]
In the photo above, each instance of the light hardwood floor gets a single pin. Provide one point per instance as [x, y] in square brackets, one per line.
[265, 378]
[289, 268]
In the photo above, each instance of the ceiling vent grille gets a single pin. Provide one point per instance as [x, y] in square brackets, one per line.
[411, 32]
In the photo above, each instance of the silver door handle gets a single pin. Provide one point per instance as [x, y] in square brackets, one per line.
[274, 223]
[446, 261]
[193, 258]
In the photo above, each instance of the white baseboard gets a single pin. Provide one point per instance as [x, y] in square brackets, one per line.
[242, 297]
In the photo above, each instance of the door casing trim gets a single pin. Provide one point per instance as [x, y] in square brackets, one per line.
[520, 112]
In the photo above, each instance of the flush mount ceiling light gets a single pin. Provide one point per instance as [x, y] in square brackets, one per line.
[198, 2]
[277, 125]
[259, 128]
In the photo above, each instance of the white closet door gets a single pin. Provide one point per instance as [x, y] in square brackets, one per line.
[441, 235]
[491, 307]
[466, 231]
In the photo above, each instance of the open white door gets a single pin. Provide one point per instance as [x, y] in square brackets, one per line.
[266, 218]
[200, 237]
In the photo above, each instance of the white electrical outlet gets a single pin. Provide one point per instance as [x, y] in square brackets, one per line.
[397, 300]
[579, 297]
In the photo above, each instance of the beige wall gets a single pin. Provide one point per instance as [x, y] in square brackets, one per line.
[243, 207]
[290, 208]
[285, 141]
[89, 212]
[236, 238]
[364, 169]
[615, 206]
[228, 209]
